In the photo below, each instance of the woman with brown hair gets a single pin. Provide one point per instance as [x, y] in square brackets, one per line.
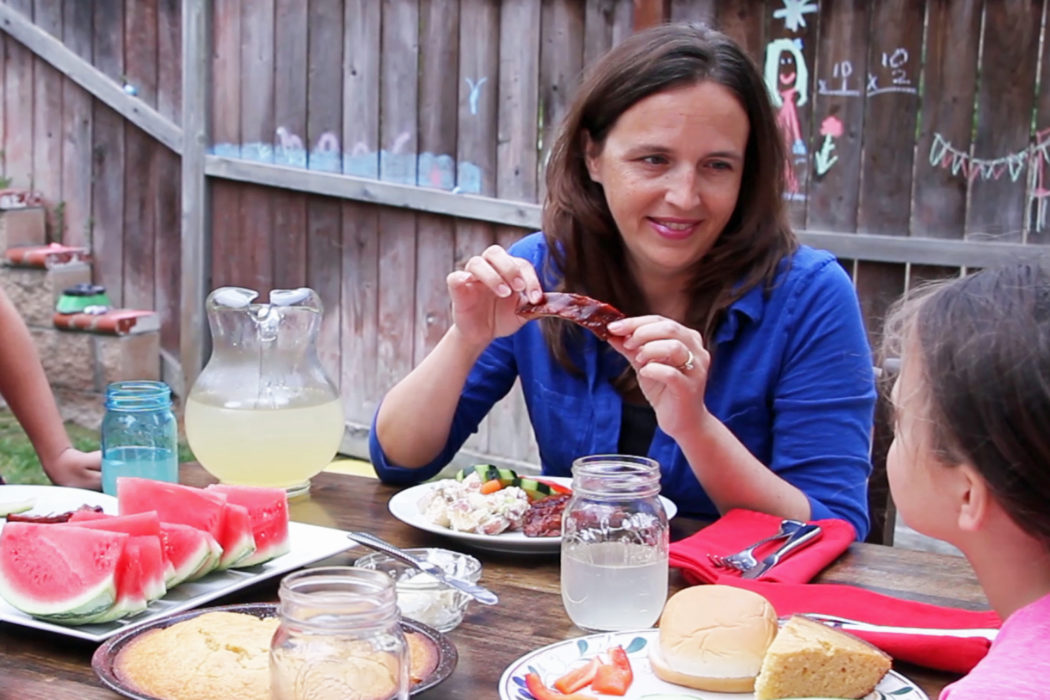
[742, 366]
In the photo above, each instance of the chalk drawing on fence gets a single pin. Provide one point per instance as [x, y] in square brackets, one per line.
[475, 93]
[787, 78]
[794, 13]
[896, 64]
[397, 164]
[841, 72]
[830, 129]
[1037, 157]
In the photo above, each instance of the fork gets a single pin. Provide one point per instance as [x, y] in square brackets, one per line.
[745, 558]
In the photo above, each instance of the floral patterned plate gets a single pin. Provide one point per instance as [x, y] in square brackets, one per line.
[553, 660]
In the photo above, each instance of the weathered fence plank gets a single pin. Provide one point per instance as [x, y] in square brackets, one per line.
[478, 92]
[561, 66]
[167, 275]
[943, 145]
[703, 11]
[18, 114]
[838, 117]
[256, 239]
[107, 160]
[47, 122]
[289, 83]
[360, 320]
[361, 55]
[324, 276]
[1005, 99]
[745, 22]
[76, 130]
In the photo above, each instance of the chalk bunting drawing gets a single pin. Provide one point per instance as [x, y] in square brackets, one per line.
[1036, 157]
[398, 164]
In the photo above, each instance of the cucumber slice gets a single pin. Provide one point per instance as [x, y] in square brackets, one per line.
[507, 477]
[535, 490]
[20, 506]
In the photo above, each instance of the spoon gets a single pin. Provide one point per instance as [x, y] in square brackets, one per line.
[478, 593]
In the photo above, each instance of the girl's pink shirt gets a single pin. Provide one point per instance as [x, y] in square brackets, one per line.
[1017, 665]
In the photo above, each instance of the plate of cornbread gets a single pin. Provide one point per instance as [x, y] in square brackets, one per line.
[223, 652]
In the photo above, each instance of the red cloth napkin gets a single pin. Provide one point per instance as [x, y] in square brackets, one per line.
[739, 528]
[946, 653]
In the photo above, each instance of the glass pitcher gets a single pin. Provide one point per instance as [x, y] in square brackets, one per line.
[263, 412]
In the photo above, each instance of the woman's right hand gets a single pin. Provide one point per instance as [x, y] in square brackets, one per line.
[487, 291]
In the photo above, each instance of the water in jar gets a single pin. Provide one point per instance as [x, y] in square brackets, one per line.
[613, 585]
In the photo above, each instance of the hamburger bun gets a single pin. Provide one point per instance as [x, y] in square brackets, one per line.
[713, 638]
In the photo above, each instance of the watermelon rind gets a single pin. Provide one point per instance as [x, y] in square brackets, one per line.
[237, 540]
[186, 548]
[37, 560]
[211, 562]
[268, 509]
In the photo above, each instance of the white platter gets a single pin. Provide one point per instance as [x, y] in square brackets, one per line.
[404, 505]
[309, 543]
[551, 661]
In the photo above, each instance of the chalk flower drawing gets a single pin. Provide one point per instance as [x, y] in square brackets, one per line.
[831, 128]
[793, 13]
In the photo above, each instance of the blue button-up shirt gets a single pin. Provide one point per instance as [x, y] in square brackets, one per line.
[791, 378]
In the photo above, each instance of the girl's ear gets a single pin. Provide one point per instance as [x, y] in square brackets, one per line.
[591, 151]
[975, 498]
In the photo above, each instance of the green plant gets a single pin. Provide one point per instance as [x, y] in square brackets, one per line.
[18, 460]
[60, 221]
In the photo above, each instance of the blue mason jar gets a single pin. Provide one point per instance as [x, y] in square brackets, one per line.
[139, 433]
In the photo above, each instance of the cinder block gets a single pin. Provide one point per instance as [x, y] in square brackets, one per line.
[124, 357]
[20, 227]
[85, 408]
[69, 359]
[35, 291]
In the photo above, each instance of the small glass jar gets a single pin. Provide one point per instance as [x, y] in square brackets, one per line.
[339, 637]
[422, 597]
[139, 433]
[614, 544]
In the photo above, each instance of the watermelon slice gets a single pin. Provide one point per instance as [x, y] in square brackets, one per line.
[268, 510]
[61, 573]
[174, 503]
[237, 541]
[189, 551]
[142, 524]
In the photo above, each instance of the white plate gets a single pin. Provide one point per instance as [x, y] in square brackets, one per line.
[54, 499]
[308, 543]
[404, 505]
[553, 660]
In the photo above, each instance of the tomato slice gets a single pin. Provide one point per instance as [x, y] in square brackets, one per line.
[615, 677]
[541, 692]
[578, 677]
[555, 486]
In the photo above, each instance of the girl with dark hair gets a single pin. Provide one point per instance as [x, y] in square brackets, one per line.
[970, 460]
[742, 366]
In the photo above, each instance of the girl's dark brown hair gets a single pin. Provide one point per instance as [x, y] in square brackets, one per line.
[587, 252]
[983, 345]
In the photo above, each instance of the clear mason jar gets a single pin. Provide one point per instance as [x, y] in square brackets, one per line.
[139, 433]
[614, 544]
[339, 637]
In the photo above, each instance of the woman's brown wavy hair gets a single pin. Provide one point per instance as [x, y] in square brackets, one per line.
[587, 251]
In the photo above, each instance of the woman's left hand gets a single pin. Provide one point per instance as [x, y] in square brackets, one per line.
[671, 363]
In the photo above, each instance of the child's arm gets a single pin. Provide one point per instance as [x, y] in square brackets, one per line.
[24, 386]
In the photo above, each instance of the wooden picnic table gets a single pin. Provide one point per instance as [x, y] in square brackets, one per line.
[38, 665]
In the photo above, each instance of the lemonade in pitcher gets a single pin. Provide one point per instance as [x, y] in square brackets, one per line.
[263, 412]
[263, 446]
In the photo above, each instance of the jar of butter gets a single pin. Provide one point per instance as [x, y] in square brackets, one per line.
[339, 637]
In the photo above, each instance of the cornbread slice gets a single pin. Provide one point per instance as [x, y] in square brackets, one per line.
[808, 659]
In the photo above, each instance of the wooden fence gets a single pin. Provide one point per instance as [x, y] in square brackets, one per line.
[367, 147]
